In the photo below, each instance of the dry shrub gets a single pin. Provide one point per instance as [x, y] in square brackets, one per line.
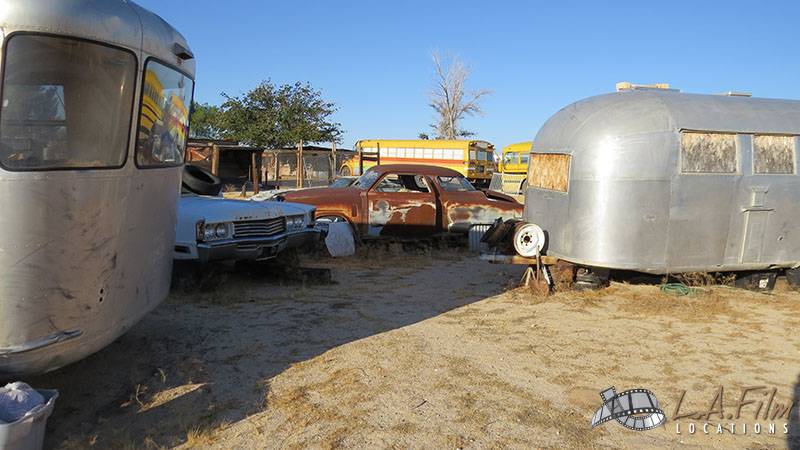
[706, 279]
[199, 437]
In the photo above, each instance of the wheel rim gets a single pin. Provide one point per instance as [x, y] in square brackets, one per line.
[529, 240]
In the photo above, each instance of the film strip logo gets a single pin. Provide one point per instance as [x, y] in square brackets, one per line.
[636, 409]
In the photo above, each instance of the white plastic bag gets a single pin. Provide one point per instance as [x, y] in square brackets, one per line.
[17, 400]
[340, 241]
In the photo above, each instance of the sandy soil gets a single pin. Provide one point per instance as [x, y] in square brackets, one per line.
[426, 351]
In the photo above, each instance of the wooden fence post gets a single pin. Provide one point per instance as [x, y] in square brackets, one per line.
[300, 167]
[256, 174]
[334, 165]
[215, 160]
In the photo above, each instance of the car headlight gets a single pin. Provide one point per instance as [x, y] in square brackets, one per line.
[213, 231]
[294, 222]
[221, 230]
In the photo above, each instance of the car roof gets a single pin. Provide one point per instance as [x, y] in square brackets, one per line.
[420, 169]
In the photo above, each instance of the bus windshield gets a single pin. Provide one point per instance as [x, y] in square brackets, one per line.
[480, 155]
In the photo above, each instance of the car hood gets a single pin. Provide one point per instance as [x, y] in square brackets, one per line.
[217, 209]
[314, 195]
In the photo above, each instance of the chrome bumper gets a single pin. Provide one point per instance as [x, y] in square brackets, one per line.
[256, 249]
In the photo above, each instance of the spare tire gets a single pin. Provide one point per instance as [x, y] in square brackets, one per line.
[200, 181]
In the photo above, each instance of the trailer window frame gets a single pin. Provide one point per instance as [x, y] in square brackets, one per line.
[737, 159]
[132, 109]
[792, 138]
[552, 182]
[139, 115]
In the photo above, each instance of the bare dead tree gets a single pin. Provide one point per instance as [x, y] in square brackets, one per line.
[449, 97]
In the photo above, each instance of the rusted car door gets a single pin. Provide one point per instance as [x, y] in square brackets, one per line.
[401, 204]
[461, 205]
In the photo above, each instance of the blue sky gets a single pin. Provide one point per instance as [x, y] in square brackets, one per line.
[373, 58]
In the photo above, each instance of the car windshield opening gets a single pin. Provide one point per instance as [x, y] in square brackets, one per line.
[455, 184]
[366, 180]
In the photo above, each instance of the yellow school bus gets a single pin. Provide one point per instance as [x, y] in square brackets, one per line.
[474, 159]
[514, 168]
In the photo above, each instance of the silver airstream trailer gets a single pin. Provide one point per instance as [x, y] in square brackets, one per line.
[95, 105]
[658, 181]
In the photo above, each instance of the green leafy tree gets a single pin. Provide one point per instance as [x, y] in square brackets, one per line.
[279, 116]
[206, 121]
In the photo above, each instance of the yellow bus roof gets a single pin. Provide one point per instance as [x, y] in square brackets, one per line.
[518, 147]
[423, 143]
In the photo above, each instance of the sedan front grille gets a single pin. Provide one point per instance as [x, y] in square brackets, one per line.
[259, 228]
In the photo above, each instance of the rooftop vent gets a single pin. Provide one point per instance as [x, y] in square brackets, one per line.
[737, 94]
[628, 86]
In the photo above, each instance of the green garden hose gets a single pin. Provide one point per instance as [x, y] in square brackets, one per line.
[677, 289]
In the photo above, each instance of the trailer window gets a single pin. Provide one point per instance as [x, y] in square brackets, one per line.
[163, 116]
[708, 152]
[549, 171]
[773, 154]
[66, 104]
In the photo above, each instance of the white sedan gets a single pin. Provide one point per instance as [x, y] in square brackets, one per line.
[218, 229]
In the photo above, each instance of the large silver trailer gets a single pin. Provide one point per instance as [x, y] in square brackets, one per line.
[95, 105]
[659, 181]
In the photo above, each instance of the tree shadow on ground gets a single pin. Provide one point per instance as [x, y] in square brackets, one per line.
[203, 360]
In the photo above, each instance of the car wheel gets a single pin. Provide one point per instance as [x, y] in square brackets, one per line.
[523, 187]
[200, 181]
[323, 221]
[345, 172]
[329, 219]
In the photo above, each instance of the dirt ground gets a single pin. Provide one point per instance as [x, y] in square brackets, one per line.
[436, 350]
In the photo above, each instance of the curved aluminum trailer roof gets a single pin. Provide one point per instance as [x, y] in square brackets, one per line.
[85, 253]
[636, 201]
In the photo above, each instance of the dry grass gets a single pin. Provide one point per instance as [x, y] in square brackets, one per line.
[706, 279]
[203, 436]
[414, 350]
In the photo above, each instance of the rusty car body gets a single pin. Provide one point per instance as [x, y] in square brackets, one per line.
[408, 200]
